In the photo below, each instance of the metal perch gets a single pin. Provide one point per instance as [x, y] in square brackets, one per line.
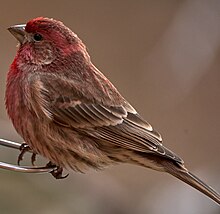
[27, 169]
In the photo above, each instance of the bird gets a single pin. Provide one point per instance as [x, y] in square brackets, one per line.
[66, 110]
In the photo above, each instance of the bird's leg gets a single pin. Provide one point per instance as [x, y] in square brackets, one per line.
[25, 148]
[57, 172]
[33, 158]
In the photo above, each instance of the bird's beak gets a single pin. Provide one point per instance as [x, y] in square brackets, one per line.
[18, 31]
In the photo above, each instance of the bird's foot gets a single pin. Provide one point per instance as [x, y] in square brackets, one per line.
[58, 172]
[25, 148]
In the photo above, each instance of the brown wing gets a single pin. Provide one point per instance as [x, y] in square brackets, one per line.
[119, 124]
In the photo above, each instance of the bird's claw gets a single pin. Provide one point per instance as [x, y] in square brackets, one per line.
[25, 148]
[57, 172]
[33, 159]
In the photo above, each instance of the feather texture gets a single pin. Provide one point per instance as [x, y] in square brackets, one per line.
[117, 124]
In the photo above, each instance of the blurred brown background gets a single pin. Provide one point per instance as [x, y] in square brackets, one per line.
[163, 56]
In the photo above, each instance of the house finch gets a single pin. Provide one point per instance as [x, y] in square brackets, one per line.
[68, 111]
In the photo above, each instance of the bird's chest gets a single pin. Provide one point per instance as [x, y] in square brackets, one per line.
[17, 104]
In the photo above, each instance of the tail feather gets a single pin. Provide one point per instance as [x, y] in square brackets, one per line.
[187, 177]
[172, 167]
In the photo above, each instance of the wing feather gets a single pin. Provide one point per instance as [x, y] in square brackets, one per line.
[118, 124]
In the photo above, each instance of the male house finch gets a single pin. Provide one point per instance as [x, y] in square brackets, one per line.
[68, 111]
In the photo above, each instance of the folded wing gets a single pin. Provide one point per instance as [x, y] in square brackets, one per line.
[118, 124]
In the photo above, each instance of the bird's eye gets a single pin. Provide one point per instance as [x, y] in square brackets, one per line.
[37, 37]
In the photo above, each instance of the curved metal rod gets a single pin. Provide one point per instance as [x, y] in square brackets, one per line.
[26, 169]
[10, 144]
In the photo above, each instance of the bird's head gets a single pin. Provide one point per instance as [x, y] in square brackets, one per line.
[42, 40]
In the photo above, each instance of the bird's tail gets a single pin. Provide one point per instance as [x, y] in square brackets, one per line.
[172, 167]
[187, 177]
